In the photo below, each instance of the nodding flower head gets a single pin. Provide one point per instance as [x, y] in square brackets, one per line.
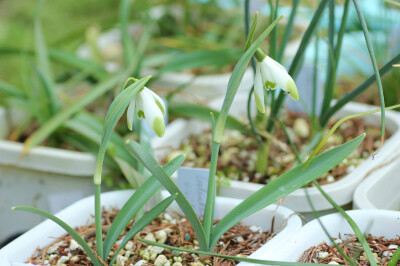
[149, 106]
[270, 74]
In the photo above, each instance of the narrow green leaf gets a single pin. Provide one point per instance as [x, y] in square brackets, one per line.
[152, 165]
[358, 90]
[352, 224]
[70, 59]
[374, 64]
[66, 227]
[9, 90]
[52, 124]
[114, 113]
[396, 255]
[144, 221]
[288, 29]
[40, 44]
[250, 36]
[127, 41]
[284, 185]
[136, 202]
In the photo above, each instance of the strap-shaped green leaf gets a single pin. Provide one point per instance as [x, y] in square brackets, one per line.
[152, 165]
[66, 227]
[144, 221]
[137, 201]
[52, 124]
[284, 185]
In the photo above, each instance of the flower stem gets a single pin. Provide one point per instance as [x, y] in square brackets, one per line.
[97, 217]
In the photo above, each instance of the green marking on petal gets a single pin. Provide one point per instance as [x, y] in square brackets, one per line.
[158, 126]
[259, 104]
[160, 106]
[292, 90]
[140, 114]
[270, 85]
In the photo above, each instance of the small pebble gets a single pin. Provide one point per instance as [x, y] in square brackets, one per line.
[73, 244]
[129, 245]
[338, 241]
[323, 255]
[121, 260]
[161, 260]
[393, 246]
[140, 263]
[150, 237]
[333, 262]
[330, 179]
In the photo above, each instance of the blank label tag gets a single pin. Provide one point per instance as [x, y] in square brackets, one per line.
[193, 182]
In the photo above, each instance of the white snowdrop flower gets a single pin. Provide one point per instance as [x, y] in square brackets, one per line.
[270, 74]
[149, 106]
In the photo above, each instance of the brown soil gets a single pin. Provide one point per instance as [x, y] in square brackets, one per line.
[240, 239]
[238, 153]
[382, 250]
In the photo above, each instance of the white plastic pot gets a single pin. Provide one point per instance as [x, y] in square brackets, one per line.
[47, 178]
[380, 190]
[341, 191]
[376, 222]
[80, 213]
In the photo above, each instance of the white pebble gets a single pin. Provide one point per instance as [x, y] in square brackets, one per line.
[161, 260]
[393, 246]
[73, 244]
[239, 239]
[338, 241]
[140, 263]
[386, 253]
[129, 245]
[150, 237]
[350, 168]
[323, 255]
[254, 228]
[330, 179]
[177, 264]
[53, 248]
[333, 262]
[161, 236]
[121, 260]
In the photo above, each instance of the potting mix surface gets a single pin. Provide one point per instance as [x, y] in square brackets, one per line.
[170, 228]
[238, 152]
[381, 248]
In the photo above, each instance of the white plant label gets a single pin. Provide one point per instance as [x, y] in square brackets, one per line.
[193, 182]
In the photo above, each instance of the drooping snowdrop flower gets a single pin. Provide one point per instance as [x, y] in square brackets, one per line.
[149, 106]
[270, 74]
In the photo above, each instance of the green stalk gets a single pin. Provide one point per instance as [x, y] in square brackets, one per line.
[315, 79]
[374, 64]
[97, 218]
[351, 222]
[288, 30]
[357, 91]
[208, 217]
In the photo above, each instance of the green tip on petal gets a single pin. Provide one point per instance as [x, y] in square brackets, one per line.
[292, 90]
[158, 126]
[259, 104]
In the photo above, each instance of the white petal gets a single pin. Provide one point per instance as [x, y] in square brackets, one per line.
[159, 102]
[282, 78]
[130, 114]
[259, 90]
[267, 76]
[152, 112]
